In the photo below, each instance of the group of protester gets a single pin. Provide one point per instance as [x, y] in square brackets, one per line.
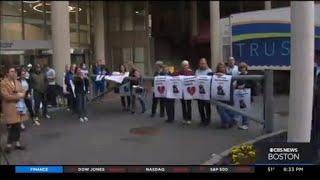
[24, 90]
[204, 106]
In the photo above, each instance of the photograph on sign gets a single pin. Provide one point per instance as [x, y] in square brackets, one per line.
[242, 98]
[174, 86]
[160, 89]
[220, 87]
[189, 87]
[203, 87]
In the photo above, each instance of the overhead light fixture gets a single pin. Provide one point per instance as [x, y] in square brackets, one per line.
[38, 8]
[30, 2]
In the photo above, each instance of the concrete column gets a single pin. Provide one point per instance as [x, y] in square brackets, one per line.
[99, 36]
[267, 5]
[194, 18]
[215, 33]
[302, 62]
[60, 28]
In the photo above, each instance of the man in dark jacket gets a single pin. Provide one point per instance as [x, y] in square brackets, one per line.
[39, 84]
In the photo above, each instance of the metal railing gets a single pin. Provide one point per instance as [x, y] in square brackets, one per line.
[267, 121]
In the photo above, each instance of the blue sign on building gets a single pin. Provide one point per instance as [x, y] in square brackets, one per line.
[260, 44]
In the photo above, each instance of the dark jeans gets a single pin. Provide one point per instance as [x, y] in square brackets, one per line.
[123, 102]
[169, 104]
[28, 103]
[38, 98]
[186, 109]
[13, 132]
[52, 95]
[98, 88]
[133, 103]
[71, 100]
[155, 103]
[81, 103]
[204, 111]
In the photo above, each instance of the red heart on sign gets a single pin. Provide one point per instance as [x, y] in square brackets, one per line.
[161, 89]
[191, 90]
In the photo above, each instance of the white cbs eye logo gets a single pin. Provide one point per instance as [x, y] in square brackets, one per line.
[271, 150]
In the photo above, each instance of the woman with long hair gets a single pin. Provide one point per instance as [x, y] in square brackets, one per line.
[125, 106]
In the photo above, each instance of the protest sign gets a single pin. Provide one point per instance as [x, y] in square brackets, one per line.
[220, 87]
[174, 87]
[203, 87]
[189, 87]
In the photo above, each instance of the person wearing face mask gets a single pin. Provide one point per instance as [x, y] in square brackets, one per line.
[39, 84]
[11, 93]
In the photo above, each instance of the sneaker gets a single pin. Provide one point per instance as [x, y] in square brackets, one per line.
[86, 119]
[188, 122]
[37, 123]
[243, 127]
[47, 116]
[36, 119]
[68, 109]
[81, 120]
[22, 126]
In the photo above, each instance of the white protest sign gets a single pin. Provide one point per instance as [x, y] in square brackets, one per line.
[203, 87]
[137, 90]
[174, 87]
[99, 77]
[160, 89]
[124, 89]
[220, 87]
[189, 87]
[242, 98]
[72, 88]
[117, 78]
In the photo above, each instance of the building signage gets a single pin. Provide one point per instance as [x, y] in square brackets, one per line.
[25, 45]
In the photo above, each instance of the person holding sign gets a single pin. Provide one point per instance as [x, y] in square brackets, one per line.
[123, 70]
[69, 88]
[244, 84]
[159, 72]
[225, 115]
[136, 80]
[169, 103]
[186, 104]
[204, 106]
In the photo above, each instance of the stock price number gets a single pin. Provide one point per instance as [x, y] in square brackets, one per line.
[219, 169]
[293, 169]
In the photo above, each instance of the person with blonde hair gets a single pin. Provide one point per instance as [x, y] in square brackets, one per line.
[11, 93]
[186, 104]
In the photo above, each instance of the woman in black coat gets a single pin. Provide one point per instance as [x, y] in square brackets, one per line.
[81, 84]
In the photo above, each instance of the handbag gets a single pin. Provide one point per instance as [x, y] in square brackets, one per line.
[21, 107]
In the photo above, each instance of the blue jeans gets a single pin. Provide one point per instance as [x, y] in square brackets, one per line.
[81, 103]
[225, 115]
[98, 88]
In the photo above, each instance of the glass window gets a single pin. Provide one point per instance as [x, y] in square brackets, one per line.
[33, 21]
[127, 54]
[83, 12]
[139, 55]
[127, 20]
[139, 16]
[83, 37]
[12, 8]
[114, 14]
[11, 28]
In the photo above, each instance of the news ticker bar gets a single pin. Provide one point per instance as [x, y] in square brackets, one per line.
[134, 169]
